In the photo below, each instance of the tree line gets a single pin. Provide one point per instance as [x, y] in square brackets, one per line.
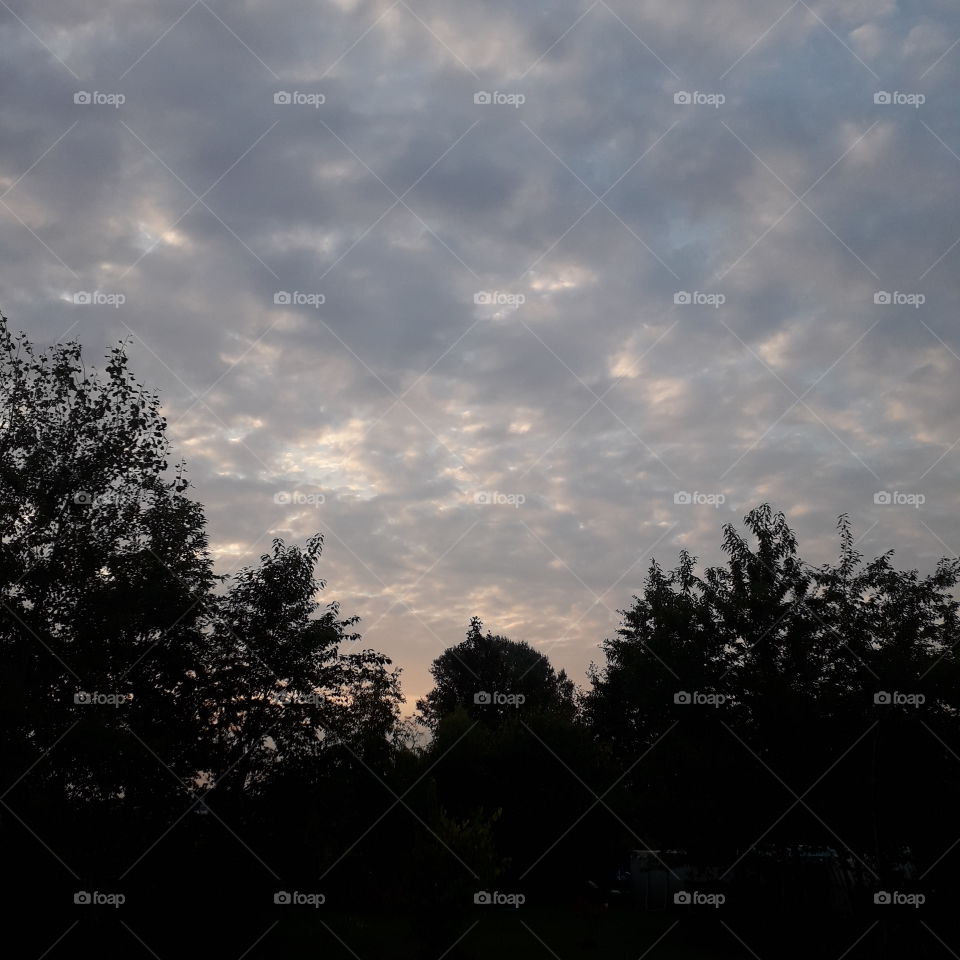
[204, 747]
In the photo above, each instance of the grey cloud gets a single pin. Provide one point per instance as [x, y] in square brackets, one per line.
[399, 398]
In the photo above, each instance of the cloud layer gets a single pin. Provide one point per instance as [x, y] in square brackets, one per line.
[486, 347]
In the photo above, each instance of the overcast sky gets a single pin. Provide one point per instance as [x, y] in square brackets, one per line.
[461, 325]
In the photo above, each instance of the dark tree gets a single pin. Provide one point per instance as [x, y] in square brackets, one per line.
[104, 577]
[479, 672]
[281, 693]
[749, 684]
[133, 695]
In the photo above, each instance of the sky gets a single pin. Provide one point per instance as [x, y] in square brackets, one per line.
[506, 299]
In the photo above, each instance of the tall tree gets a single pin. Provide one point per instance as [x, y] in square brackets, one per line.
[281, 693]
[104, 575]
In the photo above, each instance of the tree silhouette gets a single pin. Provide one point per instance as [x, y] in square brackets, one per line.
[104, 574]
[473, 673]
[792, 666]
[280, 694]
